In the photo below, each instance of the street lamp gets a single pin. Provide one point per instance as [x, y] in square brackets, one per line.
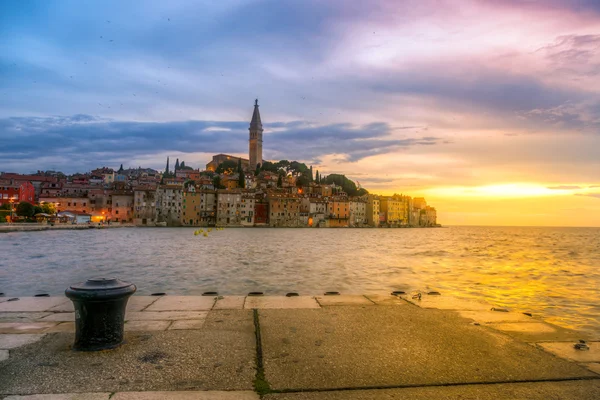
[11, 201]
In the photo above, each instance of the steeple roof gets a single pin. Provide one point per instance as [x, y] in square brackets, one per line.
[256, 124]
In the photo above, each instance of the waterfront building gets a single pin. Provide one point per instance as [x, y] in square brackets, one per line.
[168, 204]
[190, 208]
[358, 212]
[208, 207]
[247, 208]
[255, 142]
[317, 211]
[228, 207]
[144, 203]
[396, 209]
[122, 207]
[261, 209]
[338, 212]
[18, 192]
[428, 217]
[373, 210]
[284, 210]
[72, 203]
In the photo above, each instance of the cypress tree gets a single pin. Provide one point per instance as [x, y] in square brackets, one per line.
[167, 169]
[241, 177]
[311, 174]
[279, 181]
[177, 165]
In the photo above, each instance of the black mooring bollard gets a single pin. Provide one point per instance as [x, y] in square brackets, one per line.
[99, 312]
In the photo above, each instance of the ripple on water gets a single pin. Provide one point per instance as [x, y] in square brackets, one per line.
[519, 267]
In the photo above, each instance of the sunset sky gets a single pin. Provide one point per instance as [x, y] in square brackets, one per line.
[490, 109]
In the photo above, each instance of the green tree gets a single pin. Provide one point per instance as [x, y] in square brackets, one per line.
[317, 180]
[302, 180]
[257, 171]
[25, 209]
[49, 208]
[37, 210]
[241, 175]
[226, 167]
[311, 174]
[5, 206]
[177, 165]
[280, 181]
[346, 184]
[269, 167]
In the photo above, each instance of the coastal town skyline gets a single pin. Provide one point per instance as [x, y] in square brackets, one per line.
[427, 99]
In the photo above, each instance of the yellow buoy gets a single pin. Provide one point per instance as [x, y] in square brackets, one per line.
[195, 233]
[205, 234]
[209, 229]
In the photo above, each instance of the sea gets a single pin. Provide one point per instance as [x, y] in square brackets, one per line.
[553, 273]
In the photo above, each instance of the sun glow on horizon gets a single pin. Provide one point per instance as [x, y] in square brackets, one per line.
[509, 190]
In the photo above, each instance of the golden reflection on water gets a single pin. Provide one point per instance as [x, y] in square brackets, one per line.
[551, 272]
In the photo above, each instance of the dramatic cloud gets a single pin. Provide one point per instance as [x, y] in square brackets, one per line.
[564, 187]
[109, 142]
[596, 195]
[414, 94]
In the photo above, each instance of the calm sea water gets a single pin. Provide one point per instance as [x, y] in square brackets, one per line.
[552, 272]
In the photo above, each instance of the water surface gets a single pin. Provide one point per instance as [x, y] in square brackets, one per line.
[552, 272]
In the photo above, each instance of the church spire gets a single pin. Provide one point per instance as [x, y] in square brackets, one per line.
[256, 140]
[256, 123]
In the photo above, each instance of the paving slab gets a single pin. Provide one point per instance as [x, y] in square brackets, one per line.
[280, 302]
[22, 316]
[60, 317]
[62, 327]
[568, 351]
[135, 303]
[209, 395]
[165, 315]
[25, 327]
[64, 396]
[187, 324]
[183, 303]
[32, 304]
[220, 356]
[229, 303]
[344, 300]
[443, 302]
[3, 355]
[594, 367]
[386, 300]
[12, 341]
[342, 347]
[568, 390]
[487, 317]
[131, 326]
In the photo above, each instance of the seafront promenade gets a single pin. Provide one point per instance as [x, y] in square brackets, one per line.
[291, 348]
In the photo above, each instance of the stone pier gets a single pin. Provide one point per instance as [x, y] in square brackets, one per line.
[303, 347]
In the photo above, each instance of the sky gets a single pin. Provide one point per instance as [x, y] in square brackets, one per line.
[488, 108]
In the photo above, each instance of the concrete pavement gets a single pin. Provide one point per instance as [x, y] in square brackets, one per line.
[306, 347]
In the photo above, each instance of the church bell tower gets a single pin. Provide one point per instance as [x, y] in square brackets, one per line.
[256, 131]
